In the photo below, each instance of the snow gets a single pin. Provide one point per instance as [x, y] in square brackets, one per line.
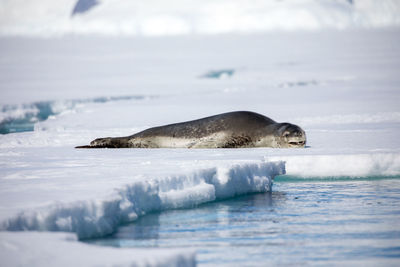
[353, 165]
[111, 194]
[61, 249]
[181, 17]
[341, 87]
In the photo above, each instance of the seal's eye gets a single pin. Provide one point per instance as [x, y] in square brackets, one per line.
[286, 134]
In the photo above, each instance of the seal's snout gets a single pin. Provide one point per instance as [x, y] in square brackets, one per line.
[292, 136]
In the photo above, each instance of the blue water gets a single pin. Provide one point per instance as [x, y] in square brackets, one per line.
[302, 222]
[217, 74]
[42, 110]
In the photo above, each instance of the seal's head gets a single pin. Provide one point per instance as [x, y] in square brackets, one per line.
[290, 135]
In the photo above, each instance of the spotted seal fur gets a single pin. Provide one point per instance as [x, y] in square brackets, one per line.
[237, 129]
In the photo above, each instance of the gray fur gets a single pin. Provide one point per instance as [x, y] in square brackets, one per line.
[228, 130]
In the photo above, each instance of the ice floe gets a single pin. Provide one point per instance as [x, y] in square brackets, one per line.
[350, 115]
[97, 210]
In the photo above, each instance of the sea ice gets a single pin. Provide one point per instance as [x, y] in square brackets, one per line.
[342, 87]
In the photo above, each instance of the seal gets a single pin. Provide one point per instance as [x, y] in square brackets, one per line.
[237, 129]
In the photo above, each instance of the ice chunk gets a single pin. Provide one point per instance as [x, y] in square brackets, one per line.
[98, 217]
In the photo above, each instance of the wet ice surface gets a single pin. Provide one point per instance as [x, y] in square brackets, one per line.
[300, 223]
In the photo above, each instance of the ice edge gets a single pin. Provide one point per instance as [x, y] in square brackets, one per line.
[100, 217]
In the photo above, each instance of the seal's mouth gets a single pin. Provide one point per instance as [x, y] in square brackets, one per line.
[300, 143]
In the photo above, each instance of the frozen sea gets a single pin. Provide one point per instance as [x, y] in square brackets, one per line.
[333, 69]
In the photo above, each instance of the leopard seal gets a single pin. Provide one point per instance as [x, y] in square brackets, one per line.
[237, 129]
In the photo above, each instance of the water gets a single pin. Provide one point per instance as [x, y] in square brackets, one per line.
[218, 74]
[301, 222]
[22, 118]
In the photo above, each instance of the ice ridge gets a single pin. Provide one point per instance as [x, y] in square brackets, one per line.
[99, 217]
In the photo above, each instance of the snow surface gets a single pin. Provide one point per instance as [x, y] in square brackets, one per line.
[180, 17]
[341, 87]
[112, 192]
[61, 249]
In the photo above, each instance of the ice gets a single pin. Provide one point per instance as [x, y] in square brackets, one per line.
[342, 87]
[22, 117]
[353, 165]
[61, 249]
[107, 195]
[181, 17]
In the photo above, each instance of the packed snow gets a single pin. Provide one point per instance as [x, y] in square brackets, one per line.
[341, 87]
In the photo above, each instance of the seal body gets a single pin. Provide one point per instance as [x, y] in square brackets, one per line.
[228, 130]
